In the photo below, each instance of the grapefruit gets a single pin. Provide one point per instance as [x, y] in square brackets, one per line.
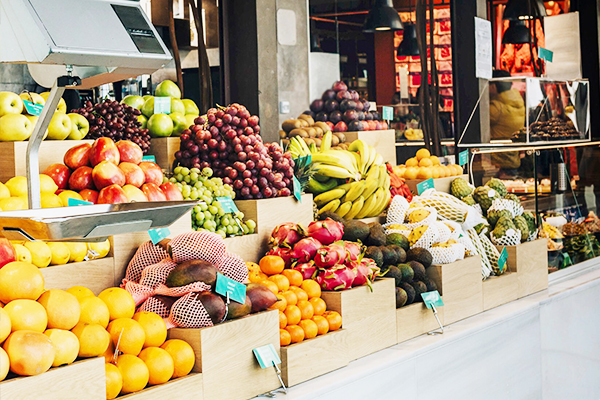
[62, 308]
[127, 335]
[119, 302]
[114, 381]
[182, 354]
[134, 372]
[93, 339]
[20, 280]
[160, 364]
[154, 327]
[27, 314]
[66, 346]
[30, 353]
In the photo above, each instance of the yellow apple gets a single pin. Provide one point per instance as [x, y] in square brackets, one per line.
[79, 126]
[34, 119]
[62, 106]
[15, 128]
[10, 103]
[60, 126]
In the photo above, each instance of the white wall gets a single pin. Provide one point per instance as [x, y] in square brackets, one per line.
[324, 71]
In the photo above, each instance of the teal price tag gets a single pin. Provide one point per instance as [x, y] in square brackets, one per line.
[502, 259]
[227, 204]
[162, 105]
[545, 54]
[228, 287]
[423, 186]
[297, 189]
[387, 113]
[432, 298]
[266, 356]
[76, 202]
[463, 158]
[149, 158]
[33, 108]
[158, 234]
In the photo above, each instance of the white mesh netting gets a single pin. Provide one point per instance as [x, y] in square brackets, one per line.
[428, 220]
[533, 235]
[512, 237]
[147, 254]
[486, 269]
[466, 241]
[201, 245]
[188, 312]
[505, 204]
[400, 231]
[455, 229]
[491, 252]
[234, 267]
[444, 232]
[447, 206]
[397, 210]
[447, 255]
[427, 239]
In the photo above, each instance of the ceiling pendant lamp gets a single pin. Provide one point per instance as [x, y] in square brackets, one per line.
[409, 45]
[523, 9]
[382, 17]
[517, 33]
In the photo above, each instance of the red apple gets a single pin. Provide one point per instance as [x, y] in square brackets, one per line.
[60, 174]
[153, 192]
[130, 152]
[7, 252]
[133, 174]
[78, 156]
[89, 195]
[134, 194]
[152, 172]
[81, 179]
[384, 125]
[378, 126]
[112, 194]
[106, 173]
[104, 149]
[171, 191]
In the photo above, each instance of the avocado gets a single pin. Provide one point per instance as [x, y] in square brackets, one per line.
[237, 310]
[398, 239]
[401, 254]
[419, 287]
[376, 235]
[328, 214]
[407, 272]
[394, 272]
[410, 292]
[431, 285]
[355, 231]
[191, 271]
[418, 269]
[390, 257]
[421, 255]
[375, 254]
[401, 297]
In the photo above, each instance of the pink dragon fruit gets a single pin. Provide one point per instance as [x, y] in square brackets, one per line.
[286, 235]
[362, 273]
[284, 253]
[331, 255]
[305, 249]
[327, 231]
[336, 278]
[308, 270]
[353, 250]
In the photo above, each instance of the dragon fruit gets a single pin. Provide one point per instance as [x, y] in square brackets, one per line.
[308, 270]
[366, 271]
[336, 278]
[286, 235]
[326, 231]
[306, 249]
[353, 250]
[331, 255]
[284, 253]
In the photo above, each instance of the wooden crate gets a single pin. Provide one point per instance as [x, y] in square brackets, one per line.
[530, 261]
[180, 388]
[369, 317]
[163, 150]
[440, 184]
[225, 350]
[381, 219]
[328, 353]
[80, 380]
[96, 275]
[416, 319]
[249, 247]
[12, 162]
[498, 290]
[460, 284]
[384, 142]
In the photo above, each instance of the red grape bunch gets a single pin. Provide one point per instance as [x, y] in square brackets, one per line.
[227, 140]
[116, 121]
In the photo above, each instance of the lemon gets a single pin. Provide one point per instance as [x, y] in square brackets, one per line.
[78, 251]
[423, 153]
[51, 200]
[435, 160]
[22, 253]
[60, 253]
[65, 195]
[101, 248]
[17, 186]
[424, 173]
[4, 192]
[13, 204]
[412, 162]
[47, 184]
[40, 253]
[425, 162]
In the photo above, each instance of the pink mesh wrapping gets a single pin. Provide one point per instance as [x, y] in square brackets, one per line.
[201, 245]
[181, 290]
[147, 254]
[188, 312]
[152, 304]
[139, 292]
[234, 267]
[154, 275]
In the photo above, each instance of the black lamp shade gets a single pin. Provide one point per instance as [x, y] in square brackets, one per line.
[519, 10]
[517, 33]
[382, 17]
[409, 45]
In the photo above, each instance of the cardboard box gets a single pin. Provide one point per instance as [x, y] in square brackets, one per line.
[440, 184]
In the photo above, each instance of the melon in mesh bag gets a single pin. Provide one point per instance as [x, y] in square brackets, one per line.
[397, 210]
[423, 236]
[421, 216]
[444, 232]
[234, 267]
[179, 291]
[192, 311]
[200, 245]
[447, 254]
[157, 304]
[492, 254]
[447, 206]
[147, 254]
[486, 269]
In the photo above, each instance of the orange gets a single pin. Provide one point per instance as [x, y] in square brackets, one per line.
[109, 354]
[319, 305]
[296, 333]
[114, 381]
[306, 309]
[412, 162]
[425, 162]
[293, 315]
[66, 346]
[20, 280]
[256, 276]
[322, 324]
[290, 297]
[93, 339]
[134, 372]
[282, 320]
[160, 364]
[271, 265]
[280, 304]
[334, 319]
[423, 153]
[127, 335]
[62, 308]
[182, 354]
[154, 327]
[435, 160]
[94, 311]
[300, 294]
[281, 281]
[425, 173]
[5, 325]
[309, 327]
[271, 285]
[295, 277]
[119, 302]
[30, 352]
[80, 292]
[312, 288]
[284, 337]
[27, 314]
[5, 364]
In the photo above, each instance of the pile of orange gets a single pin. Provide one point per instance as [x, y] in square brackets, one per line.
[302, 312]
[40, 329]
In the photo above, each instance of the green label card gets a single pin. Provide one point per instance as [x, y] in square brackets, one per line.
[267, 356]
[297, 189]
[463, 157]
[162, 105]
[546, 54]
[236, 290]
[76, 202]
[33, 108]
[502, 259]
[423, 186]
[149, 158]
[432, 298]
[387, 113]
[158, 234]
[227, 204]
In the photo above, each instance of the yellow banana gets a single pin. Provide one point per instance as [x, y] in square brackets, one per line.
[383, 202]
[336, 158]
[378, 159]
[356, 161]
[370, 204]
[313, 148]
[356, 189]
[331, 206]
[326, 197]
[335, 172]
[303, 145]
[326, 141]
[357, 205]
[363, 149]
[372, 154]
[383, 174]
[343, 209]
[371, 183]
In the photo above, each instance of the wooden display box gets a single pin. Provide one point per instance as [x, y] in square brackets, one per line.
[416, 319]
[12, 162]
[80, 380]
[440, 184]
[382, 219]
[369, 317]
[530, 261]
[248, 247]
[163, 150]
[225, 358]
[180, 388]
[384, 142]
[460, 284]
[498, 290]
[96, 275]
[328, 353]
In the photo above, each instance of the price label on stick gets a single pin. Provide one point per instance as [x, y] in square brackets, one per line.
[226, 286]
[149, 158]
[266, 356]
[162, 105]
[432, 298]
[423, 186]
[502, 259]
[463, 157]
[76, 202]
[297, 189]
[33, 108]
[387, 113]
[227, 204]
[546, 54]
[158, 234]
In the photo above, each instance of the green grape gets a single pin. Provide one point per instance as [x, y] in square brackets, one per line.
[187, 179]
[196, 209]
[173, 180]
[251, 224]
[185, 171]
[203, 206]
[179, 177]
[245, 229]
[186, 192]
[194, 176]
[221, 212]
[223, 235]
[229, 229]
[207, 171]
[198, 185]
[235, 229]
[199, 217]
[225, 221]
[177, 170]
[213, 210]
[208, 215]
[194, 196]
[207, 224]
[195, 171]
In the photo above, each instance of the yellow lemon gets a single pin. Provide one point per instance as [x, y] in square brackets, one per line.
[60, 253]
[47, 184]
[435, 160]
[412, 162]
[17, 186]
[449, 171]
[50, 200]
[424, 173]
[4, 364]
[411, 173]
[65, 195]
[13, 204]
[457, 169]
[100, 249]
[423, 153]
[78, 251]
[81, 292]
[435, 172]
[425, 162]
[41, 256]
[23, 254]
[4, 192]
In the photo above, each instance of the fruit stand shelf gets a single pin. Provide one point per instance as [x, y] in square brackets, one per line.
[180, 388]
[440, 184]
[163, 150]
[498, 290]
[415, 319]
[96, 275]
[530, 261]
[383, 141]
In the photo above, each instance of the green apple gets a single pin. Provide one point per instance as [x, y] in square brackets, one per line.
[148, 107]
[189, 119]
[62, 106]
[15, 128]
[32, 97]
[80, 126]
[190, 107]
[177, 106]
[179, 123]
[34, 120]
[133, 101]
[143, 120]
[10, 103]
[160, 125]
[167, 88]
[60, 126]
